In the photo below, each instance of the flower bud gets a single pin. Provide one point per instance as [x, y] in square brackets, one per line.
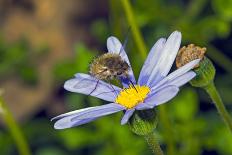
[143, 122]
[205, 71]
[189, 53]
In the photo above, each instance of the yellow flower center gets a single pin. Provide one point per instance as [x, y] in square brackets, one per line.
[132, 96]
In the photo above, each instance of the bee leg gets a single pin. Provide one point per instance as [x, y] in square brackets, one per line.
[94, 88]
[133, 85]
[112, 88]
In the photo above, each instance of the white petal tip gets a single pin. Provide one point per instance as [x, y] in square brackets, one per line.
[176, 33]
[175, 37]
[68, 84]
[123, 122]
[57, 126]
[112, 39]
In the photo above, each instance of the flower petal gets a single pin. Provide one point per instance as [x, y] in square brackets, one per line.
[177, 76]
[183, 79]
[127, 116]
[151, 61]
[85, 115]
[182, 70]
[99, 111]
[66, 123]
[166, 59]
[178, 82]
[71, 113]
[115, 46]
[160, 97]
[86, 84]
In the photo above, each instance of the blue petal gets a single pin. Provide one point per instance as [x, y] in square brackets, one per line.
[127, 116]
[85, 84]
[157, 98]
[181, 80]
[182, 70]
[151, 61]
[115, 46]
[85, 115]
[166, 59]
[99, 111]
[71, 113]
[66, 123]
[178, 77]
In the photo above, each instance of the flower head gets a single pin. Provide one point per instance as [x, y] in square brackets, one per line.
[189, 53]
[154, 85]
[205, 70]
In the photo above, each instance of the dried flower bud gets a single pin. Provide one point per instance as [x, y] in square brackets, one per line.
[205, 70]
[143, 122]
[189, 53]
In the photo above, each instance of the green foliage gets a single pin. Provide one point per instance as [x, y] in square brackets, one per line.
[79, 63]
[223, 8]
[100, 29]
[17, 60]
[50, 151]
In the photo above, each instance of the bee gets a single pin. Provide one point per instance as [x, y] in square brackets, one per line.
[109, 66]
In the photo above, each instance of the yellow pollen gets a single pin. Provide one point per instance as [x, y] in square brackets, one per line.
[133, 95]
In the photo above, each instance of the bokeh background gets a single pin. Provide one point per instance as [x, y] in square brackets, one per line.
[45, 42]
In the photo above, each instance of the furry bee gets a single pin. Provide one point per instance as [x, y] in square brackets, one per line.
[109, 66]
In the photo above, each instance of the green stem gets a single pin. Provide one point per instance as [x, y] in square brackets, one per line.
[115, 18]
[194, 8]
[14, 129]
[212, 91]
[153, 144]
[134, 28]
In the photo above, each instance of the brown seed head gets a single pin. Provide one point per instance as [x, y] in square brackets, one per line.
[189, 53]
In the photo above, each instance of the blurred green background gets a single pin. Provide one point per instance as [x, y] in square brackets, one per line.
[45, 42]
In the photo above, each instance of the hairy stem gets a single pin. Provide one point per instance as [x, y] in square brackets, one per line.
[153, 144]
[213, 93]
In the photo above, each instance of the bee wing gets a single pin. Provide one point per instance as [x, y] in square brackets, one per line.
[88, 85]
[125, 41]
[115, 46]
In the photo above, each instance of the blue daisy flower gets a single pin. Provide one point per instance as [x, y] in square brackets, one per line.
[154, 86]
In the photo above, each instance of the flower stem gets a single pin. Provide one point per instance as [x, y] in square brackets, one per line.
[14, 129]
[213, 93]
[153, 144]
[134, 28]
